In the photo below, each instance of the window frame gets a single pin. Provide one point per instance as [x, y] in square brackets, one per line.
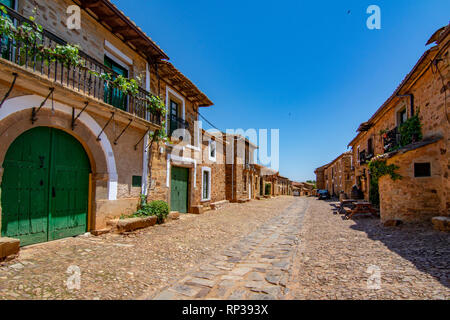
[421, 163]
[206, 170]
[211, 143]
[400, 112]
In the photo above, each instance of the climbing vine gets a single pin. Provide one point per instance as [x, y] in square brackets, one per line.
[379, 168]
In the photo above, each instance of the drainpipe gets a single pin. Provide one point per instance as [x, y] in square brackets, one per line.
[411, 97]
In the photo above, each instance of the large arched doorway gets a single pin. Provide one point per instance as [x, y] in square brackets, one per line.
[45, 187]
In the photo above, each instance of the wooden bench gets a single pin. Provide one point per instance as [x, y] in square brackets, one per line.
[361, 208]
[345, 205]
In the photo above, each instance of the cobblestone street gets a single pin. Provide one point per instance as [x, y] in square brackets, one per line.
[337, 257]
[257, 267]
[282, 248]
[127, 266]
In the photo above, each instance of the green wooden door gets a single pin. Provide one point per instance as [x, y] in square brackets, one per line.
[69, 187]
[179, 189]
[25, 186]
[44, 191]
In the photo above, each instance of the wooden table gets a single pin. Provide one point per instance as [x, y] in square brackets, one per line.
[363, 207]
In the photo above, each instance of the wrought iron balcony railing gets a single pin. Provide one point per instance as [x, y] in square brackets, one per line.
[77, 78]
[391, 139]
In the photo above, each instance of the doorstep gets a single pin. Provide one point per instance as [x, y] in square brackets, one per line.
[9, 248]
[441, 223]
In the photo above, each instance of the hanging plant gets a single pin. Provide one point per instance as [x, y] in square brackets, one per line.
[30, 35]
[411, 130]
[156, 105]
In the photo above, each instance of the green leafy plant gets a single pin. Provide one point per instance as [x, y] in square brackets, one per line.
[156, 105]
[7, 26]
[157, 208]
[379, 168]
[411, 130]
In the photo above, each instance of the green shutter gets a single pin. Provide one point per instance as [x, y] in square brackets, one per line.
[114, 96]
[8, 3]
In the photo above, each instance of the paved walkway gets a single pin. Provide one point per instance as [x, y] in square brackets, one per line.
[256, 268]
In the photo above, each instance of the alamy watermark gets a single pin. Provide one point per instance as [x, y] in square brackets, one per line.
[374, 280]
[374, 20]
[74, 280]
[249, 146]
[74, 18]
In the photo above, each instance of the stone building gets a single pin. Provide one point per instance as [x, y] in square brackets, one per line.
[241, 173]
[320, 177]
[338, 176]
[73, 149]
[421, 155]
[279, 185]
[306, 189]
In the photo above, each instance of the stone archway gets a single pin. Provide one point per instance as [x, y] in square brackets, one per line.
[15, 118]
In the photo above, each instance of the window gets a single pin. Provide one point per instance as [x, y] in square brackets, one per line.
[136, 181]
[4, 42]
[114, 96]
[206, 184]
[212, 150]
[422, 170]
[370, 146]
[245, 183]
[402, 116]
[8, 3]
[174, 116]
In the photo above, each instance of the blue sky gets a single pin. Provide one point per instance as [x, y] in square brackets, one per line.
[309, 68]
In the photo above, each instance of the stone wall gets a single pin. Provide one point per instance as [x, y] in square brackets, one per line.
[339, 176]
[413, 199]
[320, 178]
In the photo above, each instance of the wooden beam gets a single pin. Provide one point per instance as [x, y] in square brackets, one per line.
[120, 29]
[131, 38]
[91, 4]
[108, 18]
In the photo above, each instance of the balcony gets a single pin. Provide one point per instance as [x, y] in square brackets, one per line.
[363, 157]
[75, 78]
[391, 140]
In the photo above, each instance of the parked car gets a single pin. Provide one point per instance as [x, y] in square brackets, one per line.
[324, 194]
[318, 193]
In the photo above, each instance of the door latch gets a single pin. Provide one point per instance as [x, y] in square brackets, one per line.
[41, 159]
